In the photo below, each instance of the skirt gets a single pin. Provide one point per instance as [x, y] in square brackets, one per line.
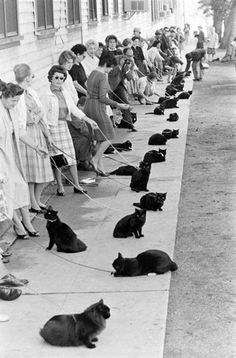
[37, 169]
[62, 139]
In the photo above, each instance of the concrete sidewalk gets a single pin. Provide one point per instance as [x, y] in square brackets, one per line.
[59, 284]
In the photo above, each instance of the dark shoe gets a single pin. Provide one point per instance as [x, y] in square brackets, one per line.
[22, 237]
[32, 210]
[60, 193]
[31, 233]
[102, 174]
[79, 191]
[9, 294]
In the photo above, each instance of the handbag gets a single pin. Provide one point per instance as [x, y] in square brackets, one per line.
[58, 161]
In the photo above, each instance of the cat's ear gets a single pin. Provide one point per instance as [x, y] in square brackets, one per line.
[101, 301]
[119, 255]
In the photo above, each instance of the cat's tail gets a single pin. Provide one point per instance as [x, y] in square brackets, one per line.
[137, 204]
[173, 266]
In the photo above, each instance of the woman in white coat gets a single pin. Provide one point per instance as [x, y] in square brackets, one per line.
[59, 106]
[14, 182]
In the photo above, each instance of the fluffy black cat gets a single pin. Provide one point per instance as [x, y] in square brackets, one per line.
[139, 179]
[77, 329]
[124, 170]
[154, 156]
[162, 99]
[170, 133]
[152, 201]
[131, 224]
[170, 91]
[159, 110]
[173, 117]
[184, 95]
[120, 147]
[150, 261]
[61, 234]
[170, 103]
[157, 139]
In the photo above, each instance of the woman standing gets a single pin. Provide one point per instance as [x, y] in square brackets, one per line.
[14, 184]
[37, 169]
[58, 108]
[90, 61]
[66, 60]
[77, 71]
[95, 107]
[139, 58]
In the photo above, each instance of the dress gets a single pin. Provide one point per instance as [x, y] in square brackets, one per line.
[95, 106]
[78, 74]
[60, 133]
[37, 168]
[15, 187]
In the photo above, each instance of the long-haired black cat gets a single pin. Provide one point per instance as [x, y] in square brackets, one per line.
[157, 139]
[140, 177]
[154, 156]
[131, 225]
[124, 170]
[152, 201]
[76, 329]
[150, 261]
[61, 234]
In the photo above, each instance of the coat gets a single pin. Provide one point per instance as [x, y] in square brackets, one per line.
[7, 156]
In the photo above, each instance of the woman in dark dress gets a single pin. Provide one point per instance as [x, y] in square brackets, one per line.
[77, 71]
[95, 107]
[139, 58]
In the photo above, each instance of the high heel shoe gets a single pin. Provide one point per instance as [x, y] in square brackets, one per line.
[59, 193]
[36, 211]
[80, 191]
[31, 233]
[22, 236]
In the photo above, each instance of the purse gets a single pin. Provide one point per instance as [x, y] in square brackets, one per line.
[58, 161]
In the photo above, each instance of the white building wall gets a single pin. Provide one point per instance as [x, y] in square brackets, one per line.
[42, 54]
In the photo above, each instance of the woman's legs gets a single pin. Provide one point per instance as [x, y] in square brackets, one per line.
[26, 218]
[38, 188]
[74, 174]
[57, 174]
[19, 228]
[98, 156]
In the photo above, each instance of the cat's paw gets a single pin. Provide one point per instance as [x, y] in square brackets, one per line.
[90, 345]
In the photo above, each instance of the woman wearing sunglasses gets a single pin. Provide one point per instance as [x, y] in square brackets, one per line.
[59, 106]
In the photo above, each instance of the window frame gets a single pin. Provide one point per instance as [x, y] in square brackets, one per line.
[75, 22]
[105, 8]
[115, 7]
[8, 35]
[92, 11]
[45, 27]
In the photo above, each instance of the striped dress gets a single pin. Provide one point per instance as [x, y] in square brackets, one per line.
[37, 169]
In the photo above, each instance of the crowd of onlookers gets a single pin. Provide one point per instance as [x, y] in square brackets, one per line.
[89, 93]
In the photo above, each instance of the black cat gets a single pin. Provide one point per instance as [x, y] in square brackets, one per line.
[124, 170]
[184, 95]
[170, 103]
[170, 133]
[152, 201]
[159, 110]
[76, 329]
[173, 117]
[139, 179]
[179, 87]
[150, 261]
[131, 224]
[157, 139]
[154, 156]
[162, 99]
[170, 91]
[61, 234]
[120, 147]
[134, 117]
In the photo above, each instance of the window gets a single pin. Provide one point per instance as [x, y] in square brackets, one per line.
[105, 8]
[115, 7]
[44, 14]
[155, 10]
[8, 19]
[92, 10]
[74, 12]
